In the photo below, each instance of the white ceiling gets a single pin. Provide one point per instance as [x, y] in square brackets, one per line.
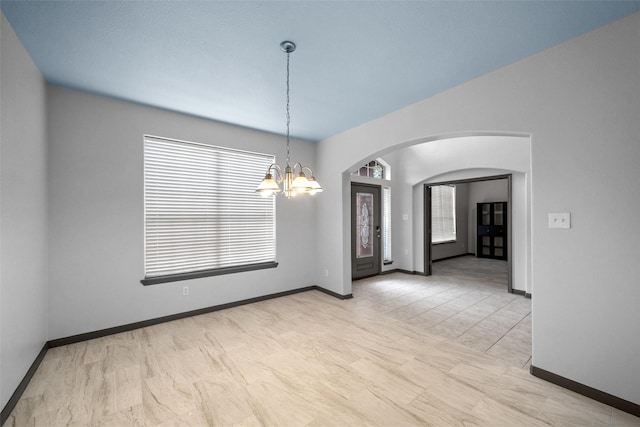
[356, 60]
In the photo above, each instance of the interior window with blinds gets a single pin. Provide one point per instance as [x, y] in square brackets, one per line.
[443, 213]
[202, 216]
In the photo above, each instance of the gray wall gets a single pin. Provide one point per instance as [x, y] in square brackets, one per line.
[23, 214]
[96, 215]
[579, 104]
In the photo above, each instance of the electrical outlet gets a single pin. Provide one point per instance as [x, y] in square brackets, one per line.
[406, 251]
[560, 220]
[326, 272]
[185, 291]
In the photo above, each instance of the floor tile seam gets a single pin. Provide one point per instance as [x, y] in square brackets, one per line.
[476, 303]
[452, 299]
[496, 399]
[447, 290]
[434, 307]
[503, 306]
[443, 320]
[520, 321]
[412, 317]
[484, 318]
[503, 335]
[400, 407]
[467, 330]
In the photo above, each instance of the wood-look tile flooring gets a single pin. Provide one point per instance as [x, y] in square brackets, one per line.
[465, 301]
[406, 350]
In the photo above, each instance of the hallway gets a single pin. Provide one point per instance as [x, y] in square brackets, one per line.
[465, 300]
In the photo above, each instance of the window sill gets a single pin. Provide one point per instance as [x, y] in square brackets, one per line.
[443, 243]
[206, 273]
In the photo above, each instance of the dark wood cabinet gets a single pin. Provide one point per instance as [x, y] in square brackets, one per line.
[492, 230]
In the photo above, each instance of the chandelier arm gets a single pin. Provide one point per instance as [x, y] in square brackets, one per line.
[299, 165]
[277, 172]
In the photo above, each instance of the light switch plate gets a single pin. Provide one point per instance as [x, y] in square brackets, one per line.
[560, 220]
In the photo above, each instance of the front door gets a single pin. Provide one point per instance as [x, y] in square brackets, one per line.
[365, 230]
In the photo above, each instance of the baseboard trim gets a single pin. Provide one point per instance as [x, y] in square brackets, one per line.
[400, 270]
[518, 292]
[527, 295]
[590, 392]
[155, 321]
[17, 394]
[452, 257]
[333, 294]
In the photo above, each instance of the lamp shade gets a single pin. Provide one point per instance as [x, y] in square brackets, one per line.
[314, 186]
[301, 184]
[268, 186]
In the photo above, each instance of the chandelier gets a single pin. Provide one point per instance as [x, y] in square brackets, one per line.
[292, 184]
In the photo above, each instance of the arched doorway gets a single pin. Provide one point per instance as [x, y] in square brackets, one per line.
[461, 156]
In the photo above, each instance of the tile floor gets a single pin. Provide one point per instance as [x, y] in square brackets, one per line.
[448, 350]
[465, 300]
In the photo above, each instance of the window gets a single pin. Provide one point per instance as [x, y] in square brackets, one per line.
[386, 224]
[201, 214]
[443, 213]
[373, 169]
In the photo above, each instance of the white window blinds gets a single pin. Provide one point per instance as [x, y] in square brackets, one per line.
[200, 209]
[443, 213]
[386, 223]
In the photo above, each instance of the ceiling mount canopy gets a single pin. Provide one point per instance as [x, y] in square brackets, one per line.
[287, 46]
[292, 185]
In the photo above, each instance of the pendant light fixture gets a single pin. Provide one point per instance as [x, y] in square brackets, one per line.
[292, 184]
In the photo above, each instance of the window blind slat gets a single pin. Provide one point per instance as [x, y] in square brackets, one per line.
[201, 211]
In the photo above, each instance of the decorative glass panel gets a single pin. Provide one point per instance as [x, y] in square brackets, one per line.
[373, 169]
[486, 214]
[386, 224]
[364, 224]
[497, 215]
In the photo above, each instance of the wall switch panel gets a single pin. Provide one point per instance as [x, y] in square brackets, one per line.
[560, 220]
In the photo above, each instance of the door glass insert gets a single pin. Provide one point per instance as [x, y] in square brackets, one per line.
[486, 214]
[498, 214]
[364, 223]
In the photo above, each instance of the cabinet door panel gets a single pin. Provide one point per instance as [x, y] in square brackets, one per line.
[492, 230]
